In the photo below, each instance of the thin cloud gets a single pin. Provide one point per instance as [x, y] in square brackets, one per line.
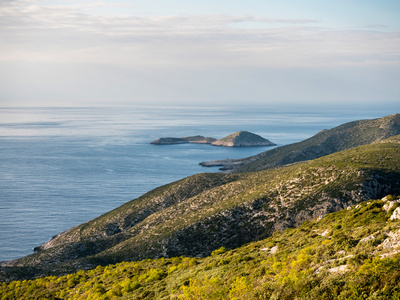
[67, 33]
[377, 26]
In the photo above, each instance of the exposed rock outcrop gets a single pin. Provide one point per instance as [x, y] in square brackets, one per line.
[396, 214]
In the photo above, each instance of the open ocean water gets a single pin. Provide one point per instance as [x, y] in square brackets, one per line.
[60, 167]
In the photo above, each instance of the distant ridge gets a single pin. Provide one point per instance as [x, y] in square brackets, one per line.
[343, 137]
[237, 139]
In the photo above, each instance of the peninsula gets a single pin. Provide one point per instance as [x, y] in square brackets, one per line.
[238, 139]
[197, 139]
[191, 223]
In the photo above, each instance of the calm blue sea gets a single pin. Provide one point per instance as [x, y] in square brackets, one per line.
[60, 167]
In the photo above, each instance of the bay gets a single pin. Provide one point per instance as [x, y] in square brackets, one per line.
[62, 166]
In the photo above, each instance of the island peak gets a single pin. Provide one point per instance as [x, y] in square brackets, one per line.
[242, 139]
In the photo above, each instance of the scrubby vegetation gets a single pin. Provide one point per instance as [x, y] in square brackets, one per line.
[201, 213]
[350, 254]
[343, 137]
[269, 234]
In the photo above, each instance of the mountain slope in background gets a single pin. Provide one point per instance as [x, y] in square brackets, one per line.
[343, 137]
[201, 213]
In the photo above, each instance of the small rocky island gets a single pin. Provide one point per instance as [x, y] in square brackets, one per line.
[237, 139]
[242, 139]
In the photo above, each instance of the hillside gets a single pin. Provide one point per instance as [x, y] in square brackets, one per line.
[350, 254]
[343, 137]
[201, 213]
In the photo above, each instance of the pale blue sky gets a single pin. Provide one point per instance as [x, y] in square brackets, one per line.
[199, 52]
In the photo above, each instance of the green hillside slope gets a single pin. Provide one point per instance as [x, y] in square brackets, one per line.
[350, 254]
[201, 213]
[343, 137]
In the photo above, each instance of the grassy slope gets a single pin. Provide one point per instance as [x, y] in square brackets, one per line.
[301, 263]
[204, 212]
[346, 136]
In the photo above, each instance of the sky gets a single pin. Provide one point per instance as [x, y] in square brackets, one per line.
[199, 53]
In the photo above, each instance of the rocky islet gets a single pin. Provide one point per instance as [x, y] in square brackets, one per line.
[237, 139]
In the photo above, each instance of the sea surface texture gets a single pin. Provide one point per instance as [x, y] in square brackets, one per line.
[60, 167]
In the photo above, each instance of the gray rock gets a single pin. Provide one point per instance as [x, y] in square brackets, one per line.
[396, 214]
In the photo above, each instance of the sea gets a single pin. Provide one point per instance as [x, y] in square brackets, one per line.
[62, 166]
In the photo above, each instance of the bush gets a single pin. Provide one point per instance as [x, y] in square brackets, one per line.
[219, 251]
[337, 227]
